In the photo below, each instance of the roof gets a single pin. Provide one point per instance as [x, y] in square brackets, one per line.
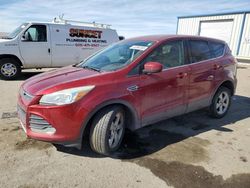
[159, 38]
[216, 14]
[90, 24]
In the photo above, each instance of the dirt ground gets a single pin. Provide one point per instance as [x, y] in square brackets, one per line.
[192, 150]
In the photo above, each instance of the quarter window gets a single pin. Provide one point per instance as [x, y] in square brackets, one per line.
[217, 48]
[36, 33]
[199, 50]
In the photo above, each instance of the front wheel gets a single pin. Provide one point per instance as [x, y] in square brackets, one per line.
[220, 103]
[107, 130]
[9, 69]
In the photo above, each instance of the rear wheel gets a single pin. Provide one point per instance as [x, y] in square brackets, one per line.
[107, 130]
[9, 69]
[221, 102]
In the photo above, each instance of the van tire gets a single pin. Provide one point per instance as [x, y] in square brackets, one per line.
[220, 103]
[106, 124]
[10, 69]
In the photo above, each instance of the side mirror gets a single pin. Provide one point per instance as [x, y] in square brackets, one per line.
[25, 37]
[152, 67]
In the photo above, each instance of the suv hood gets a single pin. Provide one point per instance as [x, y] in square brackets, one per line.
[58, 79]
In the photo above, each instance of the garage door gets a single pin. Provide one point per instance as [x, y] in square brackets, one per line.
[217, 29]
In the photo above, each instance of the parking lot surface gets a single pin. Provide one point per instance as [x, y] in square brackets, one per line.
[192, 150]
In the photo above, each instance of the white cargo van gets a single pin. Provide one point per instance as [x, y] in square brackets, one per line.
[55, 44]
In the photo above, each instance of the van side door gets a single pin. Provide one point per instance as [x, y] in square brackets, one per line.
[34, 45]
[201, 80]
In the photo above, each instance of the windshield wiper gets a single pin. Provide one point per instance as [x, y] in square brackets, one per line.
[91, 68]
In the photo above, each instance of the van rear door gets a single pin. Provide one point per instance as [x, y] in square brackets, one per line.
[34, 45]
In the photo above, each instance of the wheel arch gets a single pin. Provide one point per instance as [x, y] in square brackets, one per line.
[132, 123]
[228, 84]
[2, 56]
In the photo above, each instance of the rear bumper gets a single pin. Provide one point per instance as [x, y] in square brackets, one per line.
[65, 121]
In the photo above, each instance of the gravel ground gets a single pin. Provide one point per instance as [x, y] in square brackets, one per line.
[192, 150]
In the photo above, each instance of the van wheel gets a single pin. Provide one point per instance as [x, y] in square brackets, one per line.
[107, 130]
[9, 69]
[220, 103]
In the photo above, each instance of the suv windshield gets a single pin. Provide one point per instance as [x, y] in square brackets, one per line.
[116, 56]
[14, 33]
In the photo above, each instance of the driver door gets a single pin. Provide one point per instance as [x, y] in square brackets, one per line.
[163, 94]
[35, 46]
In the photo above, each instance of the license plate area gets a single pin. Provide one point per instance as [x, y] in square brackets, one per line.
[22, 116]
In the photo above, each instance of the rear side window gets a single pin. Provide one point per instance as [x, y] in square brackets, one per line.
[217, 48]
[199, 50]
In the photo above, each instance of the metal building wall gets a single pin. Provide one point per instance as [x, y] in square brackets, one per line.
[244, 49]
[191, 26]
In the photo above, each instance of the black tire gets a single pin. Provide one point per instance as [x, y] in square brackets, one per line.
[221, 111]
[15, 68]
[100, 133]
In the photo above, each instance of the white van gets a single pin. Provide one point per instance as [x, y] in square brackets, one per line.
[55, 44]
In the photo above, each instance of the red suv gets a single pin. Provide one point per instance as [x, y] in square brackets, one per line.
[128, 85]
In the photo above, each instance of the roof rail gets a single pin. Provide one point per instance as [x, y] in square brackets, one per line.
[91, 24]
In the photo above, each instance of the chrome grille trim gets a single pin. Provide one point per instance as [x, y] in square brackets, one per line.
[40, 125]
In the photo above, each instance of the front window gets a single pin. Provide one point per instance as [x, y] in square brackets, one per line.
[36, 33]
[169, 55]
[14, 33]
[116, 56]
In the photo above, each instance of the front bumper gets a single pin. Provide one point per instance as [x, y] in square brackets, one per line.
[55, 124]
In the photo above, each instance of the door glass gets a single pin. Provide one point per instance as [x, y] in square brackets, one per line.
[36, 33]
[169, 55]
[217, 48]
[199, 50]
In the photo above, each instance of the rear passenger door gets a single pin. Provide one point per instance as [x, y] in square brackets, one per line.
[201, 80]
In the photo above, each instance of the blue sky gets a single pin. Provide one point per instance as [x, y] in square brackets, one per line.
[129, 17]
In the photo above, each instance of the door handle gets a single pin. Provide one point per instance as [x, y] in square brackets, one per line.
[49, 50]
[133, 88]
[210, 77]
[181, 75]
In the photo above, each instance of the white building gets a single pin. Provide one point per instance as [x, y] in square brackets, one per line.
[233, 27]
[3, 34]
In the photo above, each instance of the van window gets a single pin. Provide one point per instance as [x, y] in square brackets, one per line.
[170, 54]
[36, 33]
[217, 48]
[199, 50]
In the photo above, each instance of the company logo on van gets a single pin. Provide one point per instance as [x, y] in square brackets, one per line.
[85, 33]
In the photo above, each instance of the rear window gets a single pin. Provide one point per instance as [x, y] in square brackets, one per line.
[217, 48]
[199, 50]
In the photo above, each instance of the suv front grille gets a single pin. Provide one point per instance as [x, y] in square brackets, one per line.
[40, 125]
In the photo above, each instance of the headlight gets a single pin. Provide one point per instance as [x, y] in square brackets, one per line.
[66, 96]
